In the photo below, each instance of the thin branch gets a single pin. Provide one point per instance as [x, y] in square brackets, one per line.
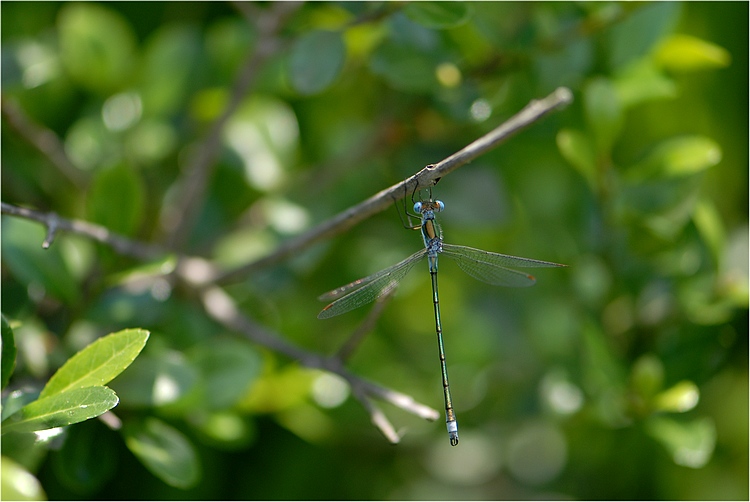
[43, 140]
[377, 417]
[268, 23]
[222, 308]
[428, 176]
[53, 222]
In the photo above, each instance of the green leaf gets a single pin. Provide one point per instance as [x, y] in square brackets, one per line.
[603, 112]
[157, 380]
[679, 398]
[169, 57]
[8, 362]
[62, 409]
[709, 223]
[316, 60]
[98, 363]
[405, 67]
[88, 458]
[165, 451]
[647, 376]
[22, 252]
[17, 483]
[677, 157]
[690, 444]
[640, 82]
[683, 53]
[577, 149]
[116, 199]
[637, 33]
[228, 368]
[97, 46]
[438, 15]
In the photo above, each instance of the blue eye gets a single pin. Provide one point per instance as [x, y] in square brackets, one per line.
[439, 206]
[417, 207]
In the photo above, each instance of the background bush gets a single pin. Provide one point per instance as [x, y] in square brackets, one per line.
[623, 376]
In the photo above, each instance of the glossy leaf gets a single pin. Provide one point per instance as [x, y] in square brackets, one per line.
[22, 252]
[62, 409]
[316, 60]
[687, 53]
[17, 483]
[98, 363]
[8, 363]
[97, 46]
[116, 199]
[438, 14]
[165, 451]
[17, 400]
[691, 443]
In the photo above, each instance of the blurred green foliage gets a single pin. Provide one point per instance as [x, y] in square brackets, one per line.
[624, 376]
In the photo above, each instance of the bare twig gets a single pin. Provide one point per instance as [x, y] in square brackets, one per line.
[43, 140]
[428, 176]
[222, 308]
[182, 217]
[53, 222]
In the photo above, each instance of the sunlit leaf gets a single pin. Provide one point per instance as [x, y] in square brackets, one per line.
[438, 14]
[98, 363]
[16, 400]
[116, 199]
[640, 82]
[8, 363]
[679, 398]
[62, 409]
[690, 443]
[97, 46]
[17, 483]
[165, 451]
[22, 252]
[316, 60]
[687, 53]
[676, 157]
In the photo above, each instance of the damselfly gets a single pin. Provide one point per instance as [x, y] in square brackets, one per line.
[492, 268]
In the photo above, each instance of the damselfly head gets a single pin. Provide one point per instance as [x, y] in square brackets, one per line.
[429, 205]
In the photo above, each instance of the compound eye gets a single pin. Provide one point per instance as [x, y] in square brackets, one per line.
[439, 206]
[417, 207]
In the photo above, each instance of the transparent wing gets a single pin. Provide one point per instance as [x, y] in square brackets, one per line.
[494, 268]
[365, 290]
